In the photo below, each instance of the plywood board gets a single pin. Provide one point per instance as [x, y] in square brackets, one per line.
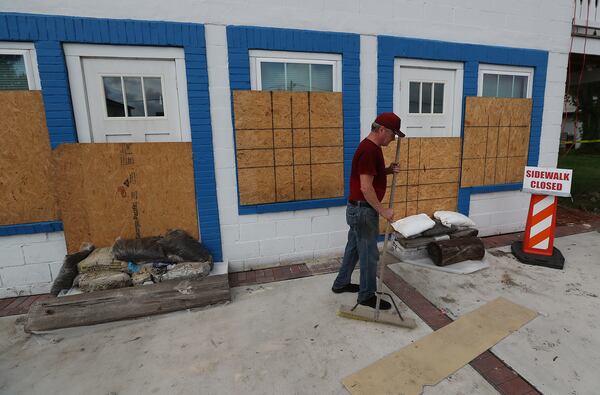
[515, 168]
[284, 180]
[284, 157]
[326, 110]
[302, 182]
[472, 172]
[282, 110]
[439, 153]
[496, 130]
[252, 110]
[300, 113]
[489, 173]
[432, 358]
[250, 139]
[282, 137]
[254, 158]
[124, 190]
[256, 185]
[26, 188]
[301, 156]
[326, 137]
[289, 129]
[327, 180]
[475, 139]
[327, 154]
[301, 137]
[430, 206]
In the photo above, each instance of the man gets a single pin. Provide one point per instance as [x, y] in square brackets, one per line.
[368, 181]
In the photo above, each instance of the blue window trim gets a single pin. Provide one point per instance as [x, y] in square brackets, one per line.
[471, 55]
[48, 33]
[242, 39]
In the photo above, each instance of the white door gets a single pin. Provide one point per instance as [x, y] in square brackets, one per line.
[132, 100]
[428, 97]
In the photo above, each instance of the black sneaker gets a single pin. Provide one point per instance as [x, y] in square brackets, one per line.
[372, 302]
[346, 288]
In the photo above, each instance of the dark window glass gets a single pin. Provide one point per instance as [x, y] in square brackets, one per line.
[413, 100]
[113, 93]
[438, 98]
[154, 97]
[134, 95]
[426, 97]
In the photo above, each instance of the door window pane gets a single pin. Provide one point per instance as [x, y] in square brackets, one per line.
[13, 75]
[490, 85]
[154, 97]
[134, 96]
[520, 86]
[426, 97]
[298, 77]
[414, 97]
[113, 93]
[438, 98]
[321, 76]
[272, 76]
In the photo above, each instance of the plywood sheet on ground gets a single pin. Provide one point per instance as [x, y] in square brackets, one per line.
[26, 189]
[124, 190]
[435, 356]
[429, 176]
[496, 140]
[289, 146]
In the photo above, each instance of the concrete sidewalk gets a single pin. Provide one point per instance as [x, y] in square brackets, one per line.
[284, 337]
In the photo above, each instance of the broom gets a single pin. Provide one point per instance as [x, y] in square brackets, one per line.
[360, 312]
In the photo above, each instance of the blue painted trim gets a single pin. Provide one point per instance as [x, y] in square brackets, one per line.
[471, 55]
[34, 227]
[50, 32]
[241, 39]
[291, 206]
[497, 188]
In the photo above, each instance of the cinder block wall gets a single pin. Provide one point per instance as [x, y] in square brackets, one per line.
[29, 263]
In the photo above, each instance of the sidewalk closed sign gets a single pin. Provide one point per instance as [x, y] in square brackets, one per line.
[547, 181]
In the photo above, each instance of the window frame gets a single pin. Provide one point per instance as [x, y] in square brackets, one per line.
[497, 69]
[27, 50]
[259, 56]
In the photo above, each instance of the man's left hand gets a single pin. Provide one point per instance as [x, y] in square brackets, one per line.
[393, 168]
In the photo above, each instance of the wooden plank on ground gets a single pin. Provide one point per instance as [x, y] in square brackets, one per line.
[437, 355]
[126, 303]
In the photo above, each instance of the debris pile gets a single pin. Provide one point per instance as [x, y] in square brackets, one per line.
[134, 262]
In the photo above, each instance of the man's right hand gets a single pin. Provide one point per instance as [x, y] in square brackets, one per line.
[387, 213]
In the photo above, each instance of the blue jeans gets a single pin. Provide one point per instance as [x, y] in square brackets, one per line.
[361, 246]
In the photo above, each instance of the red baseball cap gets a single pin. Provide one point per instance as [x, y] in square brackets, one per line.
[391, 121]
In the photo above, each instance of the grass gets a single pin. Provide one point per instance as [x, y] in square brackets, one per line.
[585, 187]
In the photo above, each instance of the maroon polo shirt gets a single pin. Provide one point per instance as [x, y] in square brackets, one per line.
[368, 159]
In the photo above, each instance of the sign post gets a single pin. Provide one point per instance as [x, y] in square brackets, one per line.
[537, 247]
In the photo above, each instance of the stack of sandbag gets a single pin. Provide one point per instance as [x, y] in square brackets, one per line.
[176, 255]
[415, 233]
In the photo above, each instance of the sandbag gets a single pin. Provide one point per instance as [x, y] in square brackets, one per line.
[464, 232]
[187, 271]
[101, 280]
[179, 246]
[453, 218]
[439, 229]
[447, 252]
[101, 259]
[68, 270]
[145, 249]
[412, 225]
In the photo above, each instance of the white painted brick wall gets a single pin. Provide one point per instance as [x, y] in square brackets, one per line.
[512, 23]
[29, 263]
[499, 212]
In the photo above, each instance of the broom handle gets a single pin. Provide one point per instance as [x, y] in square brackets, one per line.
[387, 232]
